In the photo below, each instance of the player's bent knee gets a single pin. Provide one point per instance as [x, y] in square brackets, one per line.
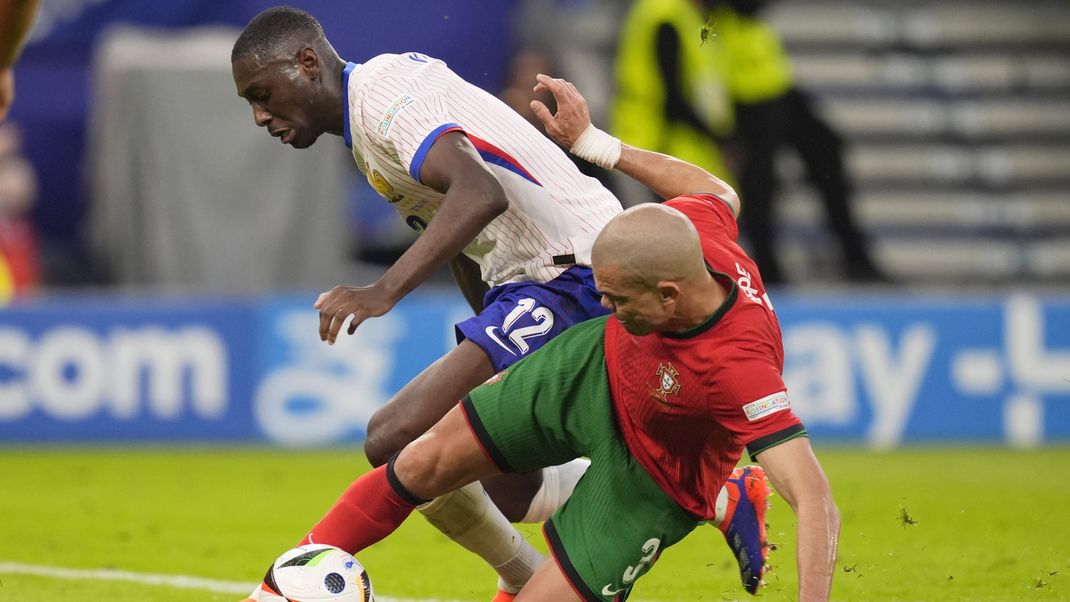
[423, 470]
[384, 439]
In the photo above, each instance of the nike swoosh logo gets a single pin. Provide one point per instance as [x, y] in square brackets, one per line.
[490, 333]
[608, 592]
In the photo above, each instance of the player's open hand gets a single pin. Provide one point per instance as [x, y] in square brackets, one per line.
[337, 304]
[572, 116]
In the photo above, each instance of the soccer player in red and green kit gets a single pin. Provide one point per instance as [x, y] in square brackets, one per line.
[663, 396]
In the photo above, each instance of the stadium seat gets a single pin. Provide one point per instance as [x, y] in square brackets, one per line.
[958, 133]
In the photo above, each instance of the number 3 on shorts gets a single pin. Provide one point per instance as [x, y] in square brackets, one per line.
[544, 321]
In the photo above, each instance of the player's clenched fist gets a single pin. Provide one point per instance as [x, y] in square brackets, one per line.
[337, 304]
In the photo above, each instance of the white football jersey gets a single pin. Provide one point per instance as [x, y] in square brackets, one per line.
[399, 104]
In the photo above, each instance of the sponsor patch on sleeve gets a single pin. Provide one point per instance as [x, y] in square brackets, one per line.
[767, 405]
[388, 117]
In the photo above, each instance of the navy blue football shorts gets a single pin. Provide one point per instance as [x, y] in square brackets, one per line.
[520, 317]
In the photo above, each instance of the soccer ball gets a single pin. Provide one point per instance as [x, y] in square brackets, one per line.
[316, 573]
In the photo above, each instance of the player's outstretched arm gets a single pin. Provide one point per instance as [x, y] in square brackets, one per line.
[667, 176]
[798, 477]
[473, 198]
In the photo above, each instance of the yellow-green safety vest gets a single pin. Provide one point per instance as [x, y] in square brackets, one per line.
[757, 68]
[638, 111]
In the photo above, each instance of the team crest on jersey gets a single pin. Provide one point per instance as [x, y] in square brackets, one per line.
[388, 117]
[668, 384]
[383, 187]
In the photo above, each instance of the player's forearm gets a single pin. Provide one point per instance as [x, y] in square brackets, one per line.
[818, 535]
[465, 211]
[16, 18]
[670, 177]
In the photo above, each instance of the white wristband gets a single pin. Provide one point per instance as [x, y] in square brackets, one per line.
[598, 147]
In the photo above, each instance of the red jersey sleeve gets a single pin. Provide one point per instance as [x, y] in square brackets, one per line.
[750, 400]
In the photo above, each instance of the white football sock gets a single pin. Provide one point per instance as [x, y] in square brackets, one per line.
[558, 483]
[468, 517]
[720, 507]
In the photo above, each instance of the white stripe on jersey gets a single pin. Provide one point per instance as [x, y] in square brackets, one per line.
[397, 101]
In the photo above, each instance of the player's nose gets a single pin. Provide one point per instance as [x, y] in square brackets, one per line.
[261, 116]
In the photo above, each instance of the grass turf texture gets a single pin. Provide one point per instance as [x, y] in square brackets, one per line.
[947, 524]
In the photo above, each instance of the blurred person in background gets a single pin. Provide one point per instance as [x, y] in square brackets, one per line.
[670, 95]
[576, 38]
[16, 19]
[19, 262]
[525, 65]
[516, 93]
[771, 112]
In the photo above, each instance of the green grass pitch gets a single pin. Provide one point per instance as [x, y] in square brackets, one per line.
[955, 524]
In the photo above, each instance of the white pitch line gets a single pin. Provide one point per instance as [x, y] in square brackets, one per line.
[177, 581]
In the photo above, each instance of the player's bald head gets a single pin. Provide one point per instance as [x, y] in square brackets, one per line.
[650, 243]
[276, 32]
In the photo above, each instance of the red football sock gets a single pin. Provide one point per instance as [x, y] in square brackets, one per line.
[367, 512]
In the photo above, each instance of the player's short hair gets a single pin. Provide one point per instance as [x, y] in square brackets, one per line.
[272, 28]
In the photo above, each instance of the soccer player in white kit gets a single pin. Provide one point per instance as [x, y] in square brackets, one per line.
[490, 195]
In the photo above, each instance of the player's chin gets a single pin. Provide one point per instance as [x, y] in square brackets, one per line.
[301, 141]
[636, 329]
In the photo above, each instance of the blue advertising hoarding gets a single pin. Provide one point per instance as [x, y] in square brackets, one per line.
[103, 369]
[883, 370]
[929, 369]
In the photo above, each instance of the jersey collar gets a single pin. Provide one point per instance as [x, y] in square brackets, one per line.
[715, 317]
[347, 135]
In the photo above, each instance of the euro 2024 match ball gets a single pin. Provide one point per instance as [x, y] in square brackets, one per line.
[316, 573]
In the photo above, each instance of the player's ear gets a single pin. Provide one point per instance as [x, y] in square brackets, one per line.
[309, 61]
[668, 292]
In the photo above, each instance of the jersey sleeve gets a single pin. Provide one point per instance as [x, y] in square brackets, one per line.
[708, 212]
[751, 401]
[406, 116]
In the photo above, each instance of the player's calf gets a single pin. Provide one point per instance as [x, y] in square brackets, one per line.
[426, 399]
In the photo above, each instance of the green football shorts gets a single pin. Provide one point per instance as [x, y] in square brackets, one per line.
[552, 407]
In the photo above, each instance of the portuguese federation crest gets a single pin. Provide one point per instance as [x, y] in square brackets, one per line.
[667, 383]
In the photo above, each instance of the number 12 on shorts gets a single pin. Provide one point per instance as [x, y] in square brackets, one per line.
[544, 321]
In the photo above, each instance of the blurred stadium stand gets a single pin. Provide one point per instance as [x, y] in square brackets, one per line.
[958, 119]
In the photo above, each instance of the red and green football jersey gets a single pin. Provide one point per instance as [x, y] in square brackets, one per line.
[688, 403]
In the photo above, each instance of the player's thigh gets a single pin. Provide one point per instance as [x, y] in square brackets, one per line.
[614, 527]
[426, 399]
[548, 408]
[548, 583]
[446, 457]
